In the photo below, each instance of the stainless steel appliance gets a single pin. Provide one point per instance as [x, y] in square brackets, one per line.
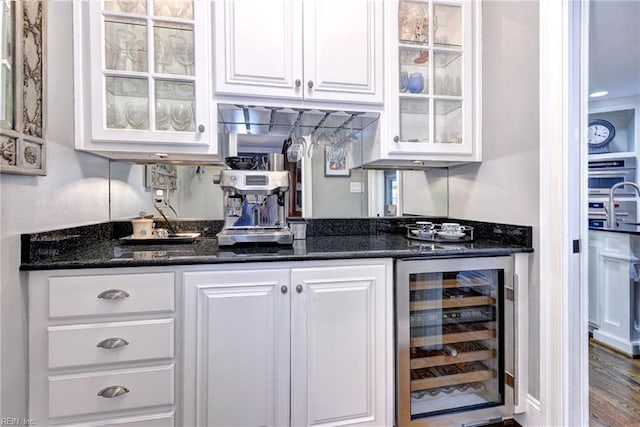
[626, 211]
[604, 174]
[455, 333]
[255, 207]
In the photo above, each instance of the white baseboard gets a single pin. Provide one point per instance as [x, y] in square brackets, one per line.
[533, 416]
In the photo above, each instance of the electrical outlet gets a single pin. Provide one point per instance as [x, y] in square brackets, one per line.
[356, 187]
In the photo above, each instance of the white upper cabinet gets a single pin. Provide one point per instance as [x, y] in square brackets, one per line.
[432, 84]
[143, 80]
[319, 50]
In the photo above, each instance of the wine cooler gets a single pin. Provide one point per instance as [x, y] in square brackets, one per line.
[454, 341]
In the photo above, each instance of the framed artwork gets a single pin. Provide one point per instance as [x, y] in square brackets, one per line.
[335, 162]
[22, 98]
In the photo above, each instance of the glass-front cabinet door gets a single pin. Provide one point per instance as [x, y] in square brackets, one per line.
[148, 66]
[431, 87]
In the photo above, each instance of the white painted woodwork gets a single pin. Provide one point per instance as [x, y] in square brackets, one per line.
[343, 50]
[77, 394]
[594, 279]
[90, 106]
[384, 150]
[278, 49]
[337, 348]
[258, 47]
[238, 363]
[163, 419]
[77, 345]
[617, 287]
[67, 369]
[78, 295]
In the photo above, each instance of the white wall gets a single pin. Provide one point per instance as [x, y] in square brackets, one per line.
[74, 192]
[425, 192]
[505, 186]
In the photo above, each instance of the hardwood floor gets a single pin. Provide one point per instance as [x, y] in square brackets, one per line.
[614, 388]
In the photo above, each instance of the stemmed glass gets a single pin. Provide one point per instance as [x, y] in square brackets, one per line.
[297, 148]
[181, 116]
[185, 58]
[136, 114]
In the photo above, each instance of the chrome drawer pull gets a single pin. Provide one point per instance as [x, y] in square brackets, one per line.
[111, 343]
[113, 391]
[112, 294]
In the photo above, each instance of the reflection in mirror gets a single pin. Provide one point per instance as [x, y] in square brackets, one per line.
[194, 195]
[6, 63]
[323, 183]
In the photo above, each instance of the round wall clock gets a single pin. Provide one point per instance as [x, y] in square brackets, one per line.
[601, 133]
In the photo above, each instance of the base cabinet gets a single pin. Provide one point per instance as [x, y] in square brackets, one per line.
[617, 290]
[101, 347]
[289, 346]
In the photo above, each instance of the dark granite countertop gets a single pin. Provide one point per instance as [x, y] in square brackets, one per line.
[622, 228]
[99, 246]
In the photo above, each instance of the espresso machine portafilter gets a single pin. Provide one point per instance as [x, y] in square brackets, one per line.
[255, 207]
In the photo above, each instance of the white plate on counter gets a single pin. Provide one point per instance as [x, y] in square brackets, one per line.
[451, 235]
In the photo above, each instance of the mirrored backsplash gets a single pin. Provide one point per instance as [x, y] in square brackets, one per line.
[188, 191]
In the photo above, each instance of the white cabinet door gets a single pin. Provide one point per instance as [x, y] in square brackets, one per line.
[142, 81]
[258, 48]
[338, 346]
[343, 50]
[326, 50]
[237, 348]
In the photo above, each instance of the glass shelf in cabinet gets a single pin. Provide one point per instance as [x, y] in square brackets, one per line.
[127, 86]
[445, 107]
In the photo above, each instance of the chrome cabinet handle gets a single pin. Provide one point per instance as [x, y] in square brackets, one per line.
[113, 391]
[284, 289]
[201, 128]
[298, 82]
[310, 84]
[111, 343]
[299, 289]
[112, 294]
[396, 138]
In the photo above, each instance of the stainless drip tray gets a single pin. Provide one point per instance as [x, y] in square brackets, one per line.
[237, 235]
[172, 239]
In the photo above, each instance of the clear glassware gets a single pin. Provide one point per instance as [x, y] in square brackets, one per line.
[162, 116]
[181, 116]
[136, 114]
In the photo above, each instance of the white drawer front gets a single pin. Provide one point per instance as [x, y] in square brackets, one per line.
[96, 343]
[80, 295]
[77, 394]
[164, 419]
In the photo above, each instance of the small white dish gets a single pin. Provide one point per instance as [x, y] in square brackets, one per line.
[451, 235]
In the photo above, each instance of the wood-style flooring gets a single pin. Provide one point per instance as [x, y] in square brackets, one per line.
[614, 388]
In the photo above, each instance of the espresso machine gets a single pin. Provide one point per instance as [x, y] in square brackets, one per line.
[255, 207]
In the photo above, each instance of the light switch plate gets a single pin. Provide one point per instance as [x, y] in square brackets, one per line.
[356, 187]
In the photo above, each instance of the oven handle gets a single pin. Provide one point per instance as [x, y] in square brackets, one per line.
[617, 172]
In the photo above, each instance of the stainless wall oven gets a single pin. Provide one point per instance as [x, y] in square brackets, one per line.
[626, 211]
[604, 174]
[455, 341]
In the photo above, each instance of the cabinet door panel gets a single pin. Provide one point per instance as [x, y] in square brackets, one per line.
[240, 358]
[337, 346]
[258, 47]
[343, 50]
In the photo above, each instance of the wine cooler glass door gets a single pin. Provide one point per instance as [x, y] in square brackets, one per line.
[451, 323]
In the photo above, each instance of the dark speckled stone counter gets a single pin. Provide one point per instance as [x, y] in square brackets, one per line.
[98, 246]
[622, 228]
